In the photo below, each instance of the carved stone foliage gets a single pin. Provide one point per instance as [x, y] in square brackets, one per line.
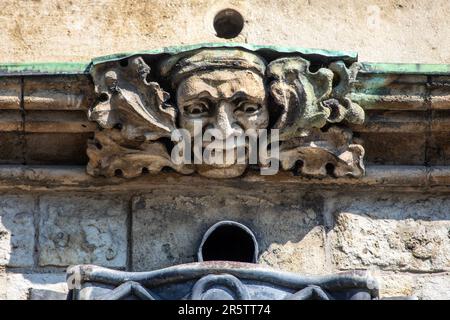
[143, 101]
[323, 153]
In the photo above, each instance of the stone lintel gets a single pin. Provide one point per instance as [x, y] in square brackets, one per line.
[64, 178]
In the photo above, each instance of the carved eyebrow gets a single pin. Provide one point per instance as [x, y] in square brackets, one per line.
[243, 94]
[201, 95]
[207, 94]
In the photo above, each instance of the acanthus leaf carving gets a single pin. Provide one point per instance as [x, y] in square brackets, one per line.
[340, 105]
[321, 154]
[299, 92]
[127, 98]
[309, 101]
[133, 113]
[108, 157]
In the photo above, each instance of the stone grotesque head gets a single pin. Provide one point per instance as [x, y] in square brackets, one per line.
[222, 90]
[224, 95]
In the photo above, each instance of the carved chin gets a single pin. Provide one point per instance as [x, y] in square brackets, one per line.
[226, 168]
[212, 171]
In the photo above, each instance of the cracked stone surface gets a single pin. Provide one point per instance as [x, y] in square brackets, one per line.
[392, 232]
[76, 230]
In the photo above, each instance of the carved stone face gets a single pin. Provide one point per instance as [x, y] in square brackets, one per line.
[227, 90]
[231, 101]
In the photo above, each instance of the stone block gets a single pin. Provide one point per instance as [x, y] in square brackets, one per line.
[440, 92]
[393, 284]
[45, 294]
[82, 229]
[383, 148]
[306, 256]
[439, 149]
[413, 245]
[420, 286]
[168, 226]
[69, 92]
[433, 287]
[11, 148]
[56, 148]
[17, 230]
[395, 205]
[10, 93]
[20, 286]
[392, 231]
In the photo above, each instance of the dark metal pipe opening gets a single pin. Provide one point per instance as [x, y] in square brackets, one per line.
[228, 23]
[228, 241]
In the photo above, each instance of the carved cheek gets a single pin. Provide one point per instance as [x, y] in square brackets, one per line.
[263, 119]
[189, 123]
[186, 123]
[259, 120]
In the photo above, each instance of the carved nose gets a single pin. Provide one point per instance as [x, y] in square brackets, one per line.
[224, 121]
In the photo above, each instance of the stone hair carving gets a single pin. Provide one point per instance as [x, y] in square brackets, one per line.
[231, 90]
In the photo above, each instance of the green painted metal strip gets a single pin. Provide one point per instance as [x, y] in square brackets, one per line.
[347, 56]
[43, 68]
[406, 68]
[13, 69]
[55, 68]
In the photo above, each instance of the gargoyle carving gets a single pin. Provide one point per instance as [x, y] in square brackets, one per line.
[232, 91]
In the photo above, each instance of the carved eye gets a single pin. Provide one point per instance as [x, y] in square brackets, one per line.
[197, 109]
[249, 107]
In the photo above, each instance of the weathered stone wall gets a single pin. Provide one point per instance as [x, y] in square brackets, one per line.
[379, 30]
[403, 238]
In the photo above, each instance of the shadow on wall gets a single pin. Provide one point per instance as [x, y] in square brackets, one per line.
[288, 227]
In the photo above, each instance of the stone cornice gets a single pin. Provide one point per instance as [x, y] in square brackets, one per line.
[74, 178]
[407, 110]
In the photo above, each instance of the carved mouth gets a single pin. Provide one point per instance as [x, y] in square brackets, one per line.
[224, 158]
[228, 145]
[218, 172]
